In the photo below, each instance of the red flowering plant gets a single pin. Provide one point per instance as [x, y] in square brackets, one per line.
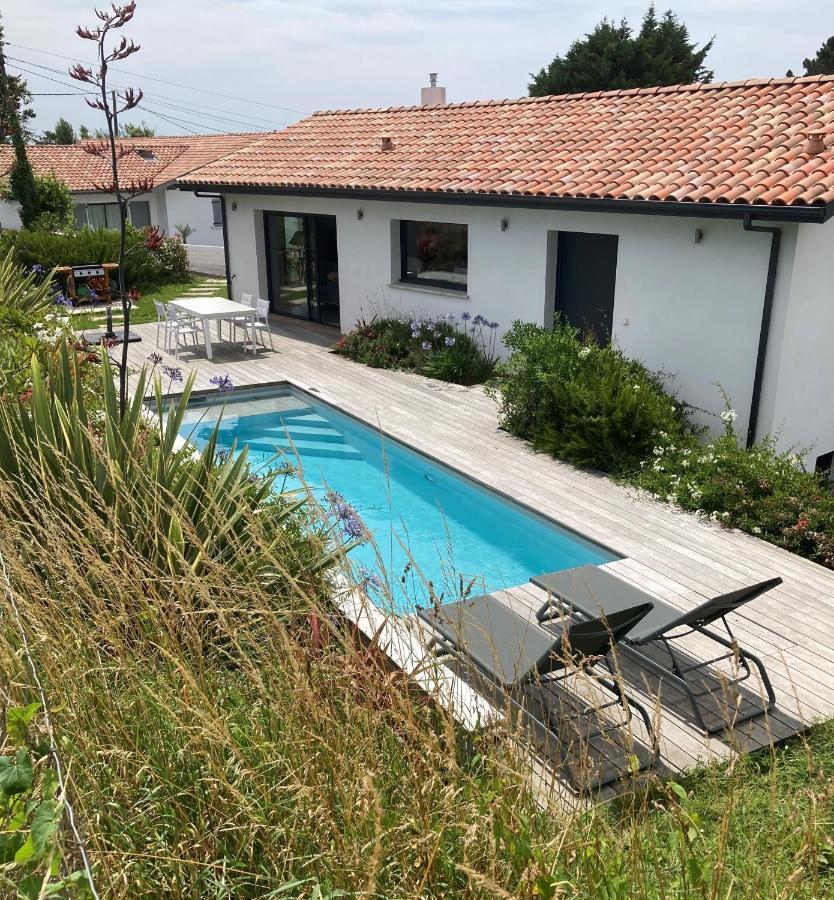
[109, 149]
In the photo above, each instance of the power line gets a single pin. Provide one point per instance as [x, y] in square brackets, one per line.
[187, 87]
[156, 98]
[82, 93]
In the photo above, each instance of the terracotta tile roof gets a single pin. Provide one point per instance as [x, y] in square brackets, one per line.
[173, 157]
[737, 143]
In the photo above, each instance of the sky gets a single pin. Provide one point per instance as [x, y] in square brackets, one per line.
[278, 60]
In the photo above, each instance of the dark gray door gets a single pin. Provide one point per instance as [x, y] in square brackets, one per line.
[586, 273]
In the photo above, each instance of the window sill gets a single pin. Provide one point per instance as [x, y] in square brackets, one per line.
[429, 289]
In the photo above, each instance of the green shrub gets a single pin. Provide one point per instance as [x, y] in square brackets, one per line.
[172, 260]
[587, 404]
[89, 246]
[55, 203]
[461, 350]
[761, 490]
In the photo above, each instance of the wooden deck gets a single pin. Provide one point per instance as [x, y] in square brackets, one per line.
[668, 553]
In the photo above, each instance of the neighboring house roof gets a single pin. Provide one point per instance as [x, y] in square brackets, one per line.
[171, 158]
[725, 143]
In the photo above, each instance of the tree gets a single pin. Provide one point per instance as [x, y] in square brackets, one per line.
[137, 131]
[15, 98]
[21, 179]
[823, 62]
[612, 57]
[112, 106]
[64, 133]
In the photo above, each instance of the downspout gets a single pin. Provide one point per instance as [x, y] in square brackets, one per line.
[222, 199]
[764, 332]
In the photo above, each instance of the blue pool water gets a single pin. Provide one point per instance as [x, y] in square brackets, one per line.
[418, 512]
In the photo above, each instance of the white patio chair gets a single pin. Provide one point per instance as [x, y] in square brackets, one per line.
[179, 325]
[162, 323]
[261, 322]
[246, 300]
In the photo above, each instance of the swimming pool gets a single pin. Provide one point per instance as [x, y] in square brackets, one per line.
[428, 523]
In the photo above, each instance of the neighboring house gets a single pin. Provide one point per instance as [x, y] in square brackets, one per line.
[689, 223]
[161, 159]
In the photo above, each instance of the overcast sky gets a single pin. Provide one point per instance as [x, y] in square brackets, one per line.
[325, 54]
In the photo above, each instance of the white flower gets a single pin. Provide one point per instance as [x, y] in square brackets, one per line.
[584, 352]
[636, 387]
[756, 529]
[685, 463]
[729, 416]
[725, 515]
[658, 451]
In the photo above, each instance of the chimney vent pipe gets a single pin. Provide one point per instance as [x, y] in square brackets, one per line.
[433, 95]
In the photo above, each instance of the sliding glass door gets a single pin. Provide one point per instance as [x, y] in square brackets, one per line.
[302, 266]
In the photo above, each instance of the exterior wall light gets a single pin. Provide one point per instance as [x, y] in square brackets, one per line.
[699, 235]
[505, 224]
[360, 214]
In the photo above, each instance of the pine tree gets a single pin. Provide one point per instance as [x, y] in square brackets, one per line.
[63, 133]
[823, 62]
[612, 57]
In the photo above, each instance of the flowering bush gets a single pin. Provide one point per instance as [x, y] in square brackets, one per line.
[760, 490]
[584, 403]
[449, 348]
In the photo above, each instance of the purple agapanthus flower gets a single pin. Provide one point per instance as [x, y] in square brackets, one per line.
[155, 358]
[450, 317]
[223, 383]
[37, 268]
[479, 320]
[426, 345]
[466, 316]
[492, 325]
[174, 374]
[449, 341]
[369, 580]
[416, 325]
[93, 296]
[62, 300]
[346, 515]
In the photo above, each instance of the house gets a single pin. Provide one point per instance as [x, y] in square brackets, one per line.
[160, 159]
[689, 223]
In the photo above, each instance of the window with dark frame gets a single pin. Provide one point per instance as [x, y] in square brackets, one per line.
[217, 213]
[140, 213]
[434, 254]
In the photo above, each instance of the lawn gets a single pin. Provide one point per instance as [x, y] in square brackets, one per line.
[144, 310]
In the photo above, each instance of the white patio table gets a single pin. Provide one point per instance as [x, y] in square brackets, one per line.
[218, 309]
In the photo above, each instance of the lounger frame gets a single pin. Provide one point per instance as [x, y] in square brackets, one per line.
[679, 674]
[443, 646]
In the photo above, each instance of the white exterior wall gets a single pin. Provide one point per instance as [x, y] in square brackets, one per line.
[185, 208]
[9, 214]
[801, 354]
[692, 310]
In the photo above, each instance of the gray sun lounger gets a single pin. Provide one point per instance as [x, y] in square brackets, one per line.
[591, 591]
[517, 655]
